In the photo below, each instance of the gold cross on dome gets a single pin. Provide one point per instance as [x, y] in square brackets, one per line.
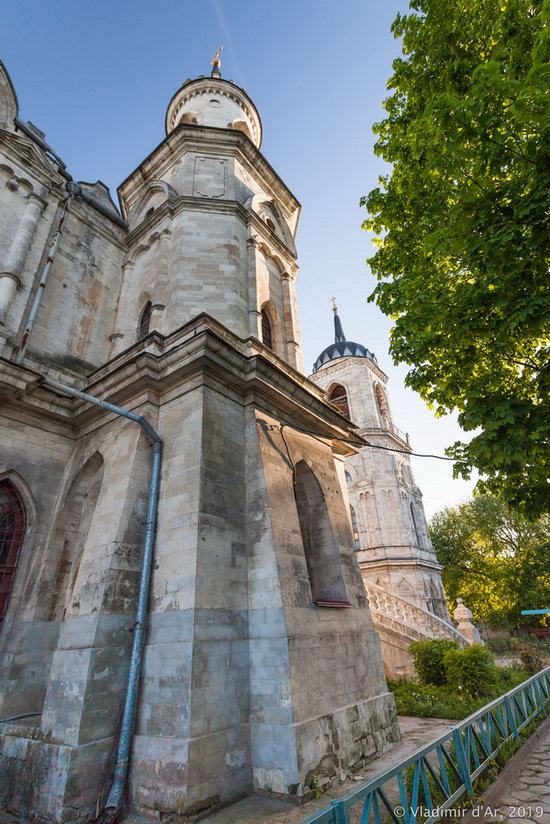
[216, 62]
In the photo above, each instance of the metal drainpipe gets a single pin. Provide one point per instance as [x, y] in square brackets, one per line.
[113, 806]
[72, 189]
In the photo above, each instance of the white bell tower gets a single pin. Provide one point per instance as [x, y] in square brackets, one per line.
[389, 525]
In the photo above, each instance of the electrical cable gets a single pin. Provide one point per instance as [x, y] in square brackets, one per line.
[360, 444]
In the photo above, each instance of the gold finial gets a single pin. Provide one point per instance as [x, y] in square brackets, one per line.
[334, 307]
[216, 62]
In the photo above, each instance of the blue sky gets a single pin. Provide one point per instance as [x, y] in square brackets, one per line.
[97, 78]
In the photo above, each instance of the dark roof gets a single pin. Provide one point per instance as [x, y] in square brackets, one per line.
[342, 348]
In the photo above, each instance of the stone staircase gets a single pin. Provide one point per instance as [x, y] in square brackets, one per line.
[398, 623]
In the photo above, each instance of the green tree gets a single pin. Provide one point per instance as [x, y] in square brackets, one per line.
[462, 230]
[493, 558]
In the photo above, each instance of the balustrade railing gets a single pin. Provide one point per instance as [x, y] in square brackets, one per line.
[436, 777]
[411, 616]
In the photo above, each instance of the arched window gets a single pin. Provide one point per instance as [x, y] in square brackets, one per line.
[382, 403]
[267, 332]
[339, 397]
[145, 320]
[12, 534]
[349, 479]
[321, 551]
[354, 528]
[415, 525]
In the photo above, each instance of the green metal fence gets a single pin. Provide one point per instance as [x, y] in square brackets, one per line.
[435, 777]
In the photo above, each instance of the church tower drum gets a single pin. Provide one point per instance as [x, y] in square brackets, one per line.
[389, 525]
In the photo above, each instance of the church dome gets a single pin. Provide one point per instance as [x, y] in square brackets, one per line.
[342, 348]
[213, 101]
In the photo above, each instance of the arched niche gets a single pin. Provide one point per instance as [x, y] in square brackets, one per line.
[321, 552]
[71, 532]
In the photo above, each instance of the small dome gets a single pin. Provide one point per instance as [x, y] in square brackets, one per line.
[212, 101]
[342, 348]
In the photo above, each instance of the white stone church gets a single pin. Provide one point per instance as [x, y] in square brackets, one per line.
[189, 526]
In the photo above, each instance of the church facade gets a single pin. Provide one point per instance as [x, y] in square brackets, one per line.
[258, 666]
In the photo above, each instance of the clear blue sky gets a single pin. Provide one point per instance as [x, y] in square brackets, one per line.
[97, 77]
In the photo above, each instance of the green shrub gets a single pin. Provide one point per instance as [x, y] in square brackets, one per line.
[428, 659]
[471, 669]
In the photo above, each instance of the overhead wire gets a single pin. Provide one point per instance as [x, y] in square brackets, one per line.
[319, 435]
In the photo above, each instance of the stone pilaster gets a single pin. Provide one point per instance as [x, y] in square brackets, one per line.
[10, 276]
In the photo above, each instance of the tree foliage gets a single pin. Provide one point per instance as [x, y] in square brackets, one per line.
[493, 558]
[462, 226]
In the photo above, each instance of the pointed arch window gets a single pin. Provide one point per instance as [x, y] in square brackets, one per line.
[267, 330]
[339, 397]
[321, 551]
[354, 528]
[145, 320]
[12, 533]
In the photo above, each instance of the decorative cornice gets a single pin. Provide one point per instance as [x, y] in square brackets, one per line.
[202, 349]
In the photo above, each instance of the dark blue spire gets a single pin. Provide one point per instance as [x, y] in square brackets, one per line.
[342, 347]
[339, 336]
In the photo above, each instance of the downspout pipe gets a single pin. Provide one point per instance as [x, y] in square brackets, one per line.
[72, 189]
[115, 799]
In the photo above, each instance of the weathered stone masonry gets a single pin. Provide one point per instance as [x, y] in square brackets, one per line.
[247, 682]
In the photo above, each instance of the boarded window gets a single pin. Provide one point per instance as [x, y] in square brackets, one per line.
[12, 534]
[339, 397]
[145, 320]
[267, 332]
[321, 551]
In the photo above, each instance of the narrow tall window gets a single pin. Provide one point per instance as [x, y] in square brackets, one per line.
[415, 525]
[267, 332]
[12, 534]
[354, 528]
[339, 397]
[320, 549]
[145, 320]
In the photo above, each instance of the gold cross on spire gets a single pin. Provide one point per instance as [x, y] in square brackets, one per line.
[334, 307]
[216, 61]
